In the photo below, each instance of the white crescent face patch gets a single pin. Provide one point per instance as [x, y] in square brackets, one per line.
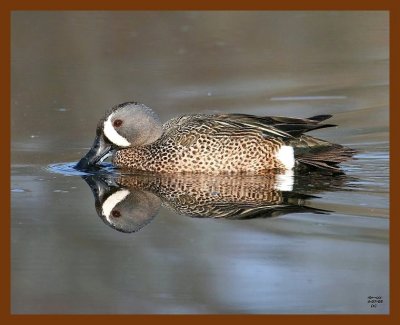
[113, 135]
[112, 201]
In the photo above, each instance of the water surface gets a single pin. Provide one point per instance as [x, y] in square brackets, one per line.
[325, 251]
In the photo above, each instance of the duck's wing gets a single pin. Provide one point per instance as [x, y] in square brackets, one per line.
[284, 128]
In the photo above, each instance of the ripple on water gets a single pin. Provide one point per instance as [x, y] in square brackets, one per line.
[18, 190]
[68, 169]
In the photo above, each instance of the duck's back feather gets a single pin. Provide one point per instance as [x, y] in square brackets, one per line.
[269, 126]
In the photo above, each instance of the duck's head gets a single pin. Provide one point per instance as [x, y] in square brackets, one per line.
[126, 125]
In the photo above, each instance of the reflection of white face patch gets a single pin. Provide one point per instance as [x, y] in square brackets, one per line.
[286, 156]
[112, 201]
[113, 135]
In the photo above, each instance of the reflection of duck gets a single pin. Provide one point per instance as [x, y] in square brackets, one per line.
[124, 209]
[127, 203]
[212, 144]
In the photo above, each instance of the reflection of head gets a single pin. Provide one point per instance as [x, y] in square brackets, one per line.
[128, 211]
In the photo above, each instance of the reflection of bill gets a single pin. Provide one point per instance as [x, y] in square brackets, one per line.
[127, 203]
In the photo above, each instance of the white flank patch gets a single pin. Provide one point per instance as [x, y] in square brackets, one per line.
[286, 156]
[112, 201]
[284, 182]
[113, 135]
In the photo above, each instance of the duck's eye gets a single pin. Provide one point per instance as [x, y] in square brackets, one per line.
[117, 123]
[116, 214]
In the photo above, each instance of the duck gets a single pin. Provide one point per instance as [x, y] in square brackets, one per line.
[134, 136]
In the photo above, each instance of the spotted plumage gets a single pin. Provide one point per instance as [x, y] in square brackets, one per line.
[213, 197]
[211, 144]
[129, 202]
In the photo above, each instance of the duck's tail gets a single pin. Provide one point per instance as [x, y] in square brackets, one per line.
[317, 153]
[326, 156]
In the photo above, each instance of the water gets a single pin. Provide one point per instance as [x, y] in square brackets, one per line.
[320, 248]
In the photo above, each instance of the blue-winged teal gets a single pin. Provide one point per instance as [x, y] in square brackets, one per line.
[213, 144]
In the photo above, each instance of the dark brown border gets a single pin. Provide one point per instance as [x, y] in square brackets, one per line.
[5, 11]
[200, 5]
[5, 160]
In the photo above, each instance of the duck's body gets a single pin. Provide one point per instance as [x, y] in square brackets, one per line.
[214, 144]
[205, 144]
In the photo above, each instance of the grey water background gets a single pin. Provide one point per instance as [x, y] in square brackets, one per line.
[69, 67]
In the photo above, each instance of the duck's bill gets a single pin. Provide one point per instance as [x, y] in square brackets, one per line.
[99, 149]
